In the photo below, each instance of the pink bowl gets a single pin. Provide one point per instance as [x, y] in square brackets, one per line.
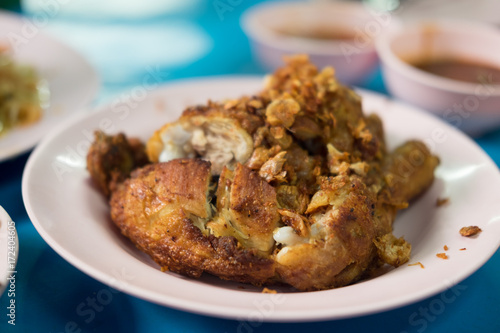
[474, 108]
[353, 60]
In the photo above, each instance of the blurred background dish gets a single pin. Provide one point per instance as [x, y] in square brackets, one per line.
[23, 94]
[111, 9]
[485, 11]
[71, 81]
[450, 68]
[125, 43]
[336, 33]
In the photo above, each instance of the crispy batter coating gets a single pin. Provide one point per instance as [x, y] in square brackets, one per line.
[157, 208]
[110, 159]
[409, 170]
[341, 238]
[291, 185]
[246, 209]
[392, 250]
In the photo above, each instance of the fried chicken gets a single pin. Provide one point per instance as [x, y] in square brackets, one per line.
[292, 185]
[164, 207]
[111, 159]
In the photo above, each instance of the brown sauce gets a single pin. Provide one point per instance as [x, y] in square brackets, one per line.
[329, 33]
[461, 70]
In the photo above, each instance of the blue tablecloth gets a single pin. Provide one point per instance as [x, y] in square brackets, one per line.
[49, 290]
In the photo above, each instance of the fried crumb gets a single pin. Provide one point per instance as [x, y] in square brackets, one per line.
[417, 264]
[442, 256]
[445, 247]
[470, 231]
[442, 202]
[269, 291]
[241, 287]
[463, 249]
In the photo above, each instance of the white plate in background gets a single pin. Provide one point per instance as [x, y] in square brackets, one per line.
[73, 217]
[72, 82]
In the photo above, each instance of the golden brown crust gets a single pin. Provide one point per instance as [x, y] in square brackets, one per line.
[253, 207]
[110, 159]
[409, 170]
[156, 209]
[343, 249]
[246, 209]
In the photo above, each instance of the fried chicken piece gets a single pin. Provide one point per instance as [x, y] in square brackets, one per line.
[340, 242]
[354, 224]
[164, 207]
[246, 209]
[110, 159]
[213, 133]
[409, 170]
[298, 186]
[401, 179]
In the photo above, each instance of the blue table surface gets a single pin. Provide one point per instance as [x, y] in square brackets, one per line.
[49, 289]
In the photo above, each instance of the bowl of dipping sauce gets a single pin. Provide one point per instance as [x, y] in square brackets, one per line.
[338, 34]
[451, 68]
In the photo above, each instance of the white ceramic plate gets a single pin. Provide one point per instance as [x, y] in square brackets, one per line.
[73, 217]
[72, 82]
[9, 249]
